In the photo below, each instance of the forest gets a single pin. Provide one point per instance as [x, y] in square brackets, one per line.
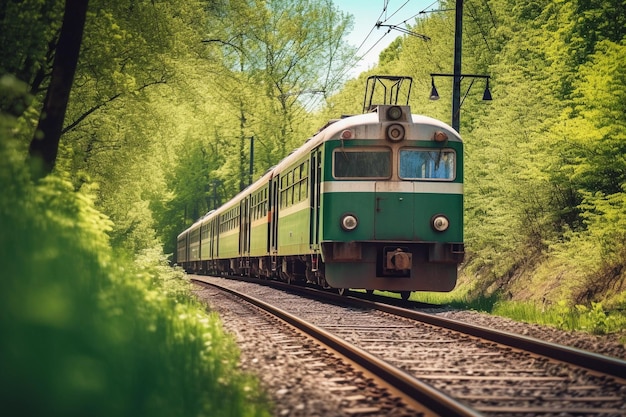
[167, 97]
[123, 121]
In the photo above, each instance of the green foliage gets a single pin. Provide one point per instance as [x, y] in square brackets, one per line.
[598, 321]
[557, 124]
[27, 33]
[594, 128]
[544, 165]
[168, 94]
[564, 318]
[84, 331]
[593, 319]
[292, 50]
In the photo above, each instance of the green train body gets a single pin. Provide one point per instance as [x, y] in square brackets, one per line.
[373, 201]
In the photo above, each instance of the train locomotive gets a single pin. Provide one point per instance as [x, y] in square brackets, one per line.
[372, 201]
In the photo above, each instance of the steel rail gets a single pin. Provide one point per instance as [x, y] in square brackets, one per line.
[592, 361]
[433, 399]
[589, 360]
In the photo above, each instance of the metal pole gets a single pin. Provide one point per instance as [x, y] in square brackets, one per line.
[456, 86]
[251, 172]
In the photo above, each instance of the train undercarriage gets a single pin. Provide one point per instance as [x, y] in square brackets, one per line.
[290, 269]
[388, 266]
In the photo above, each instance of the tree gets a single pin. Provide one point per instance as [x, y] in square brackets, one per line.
[44, 146]
[29, 31]
[303, 53]
[276, 56]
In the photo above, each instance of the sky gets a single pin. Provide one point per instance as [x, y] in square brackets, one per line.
[371, 40]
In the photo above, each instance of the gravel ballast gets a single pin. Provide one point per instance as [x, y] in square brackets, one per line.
[303, 390]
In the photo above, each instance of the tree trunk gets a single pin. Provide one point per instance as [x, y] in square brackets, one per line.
[45, 144]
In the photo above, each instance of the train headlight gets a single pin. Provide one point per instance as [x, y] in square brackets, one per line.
[349, 222]
[395, 132]
[440, 223]
[394, 113]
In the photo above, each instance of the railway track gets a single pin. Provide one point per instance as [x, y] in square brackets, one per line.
[451, 367]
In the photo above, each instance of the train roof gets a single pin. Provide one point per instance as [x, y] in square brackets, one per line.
[424, 127]
[232, 202]
[258, 184]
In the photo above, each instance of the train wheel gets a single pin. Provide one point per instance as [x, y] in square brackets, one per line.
[405, 295]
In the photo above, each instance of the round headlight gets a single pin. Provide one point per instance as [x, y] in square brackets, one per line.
[440, 223]
[395, 132]
[349, 222]
[394, 112]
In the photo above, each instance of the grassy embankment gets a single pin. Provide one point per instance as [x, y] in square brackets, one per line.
[595, 318]
[85, 332]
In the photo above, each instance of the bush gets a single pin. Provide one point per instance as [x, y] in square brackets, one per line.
[84, 333]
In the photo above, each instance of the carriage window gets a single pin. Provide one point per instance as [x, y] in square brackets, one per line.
[427, 164]
[294, 185]
[349, 163]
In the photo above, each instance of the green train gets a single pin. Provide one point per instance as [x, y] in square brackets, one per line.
[372, 201]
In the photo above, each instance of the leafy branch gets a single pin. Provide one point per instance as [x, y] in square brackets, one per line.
[86, 114]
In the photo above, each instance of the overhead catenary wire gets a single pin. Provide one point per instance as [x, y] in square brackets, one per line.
[384, 17]
[356, 56]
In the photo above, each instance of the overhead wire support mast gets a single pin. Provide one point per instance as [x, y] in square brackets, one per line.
[403, 30]
[457, 76]
[456, 86]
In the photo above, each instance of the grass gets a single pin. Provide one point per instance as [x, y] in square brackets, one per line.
[592, 319]
[87, 331]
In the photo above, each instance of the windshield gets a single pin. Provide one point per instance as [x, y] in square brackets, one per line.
[427, 164]
[350, 163]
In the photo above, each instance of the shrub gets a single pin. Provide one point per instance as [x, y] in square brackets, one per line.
[85, 332]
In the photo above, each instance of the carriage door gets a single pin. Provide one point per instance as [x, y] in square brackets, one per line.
[315, 176]
[216, 249]
[273, 222]
[212, 239]
[393, 211]
[244, 229]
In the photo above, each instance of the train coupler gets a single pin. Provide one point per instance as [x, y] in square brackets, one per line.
[397, 261]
